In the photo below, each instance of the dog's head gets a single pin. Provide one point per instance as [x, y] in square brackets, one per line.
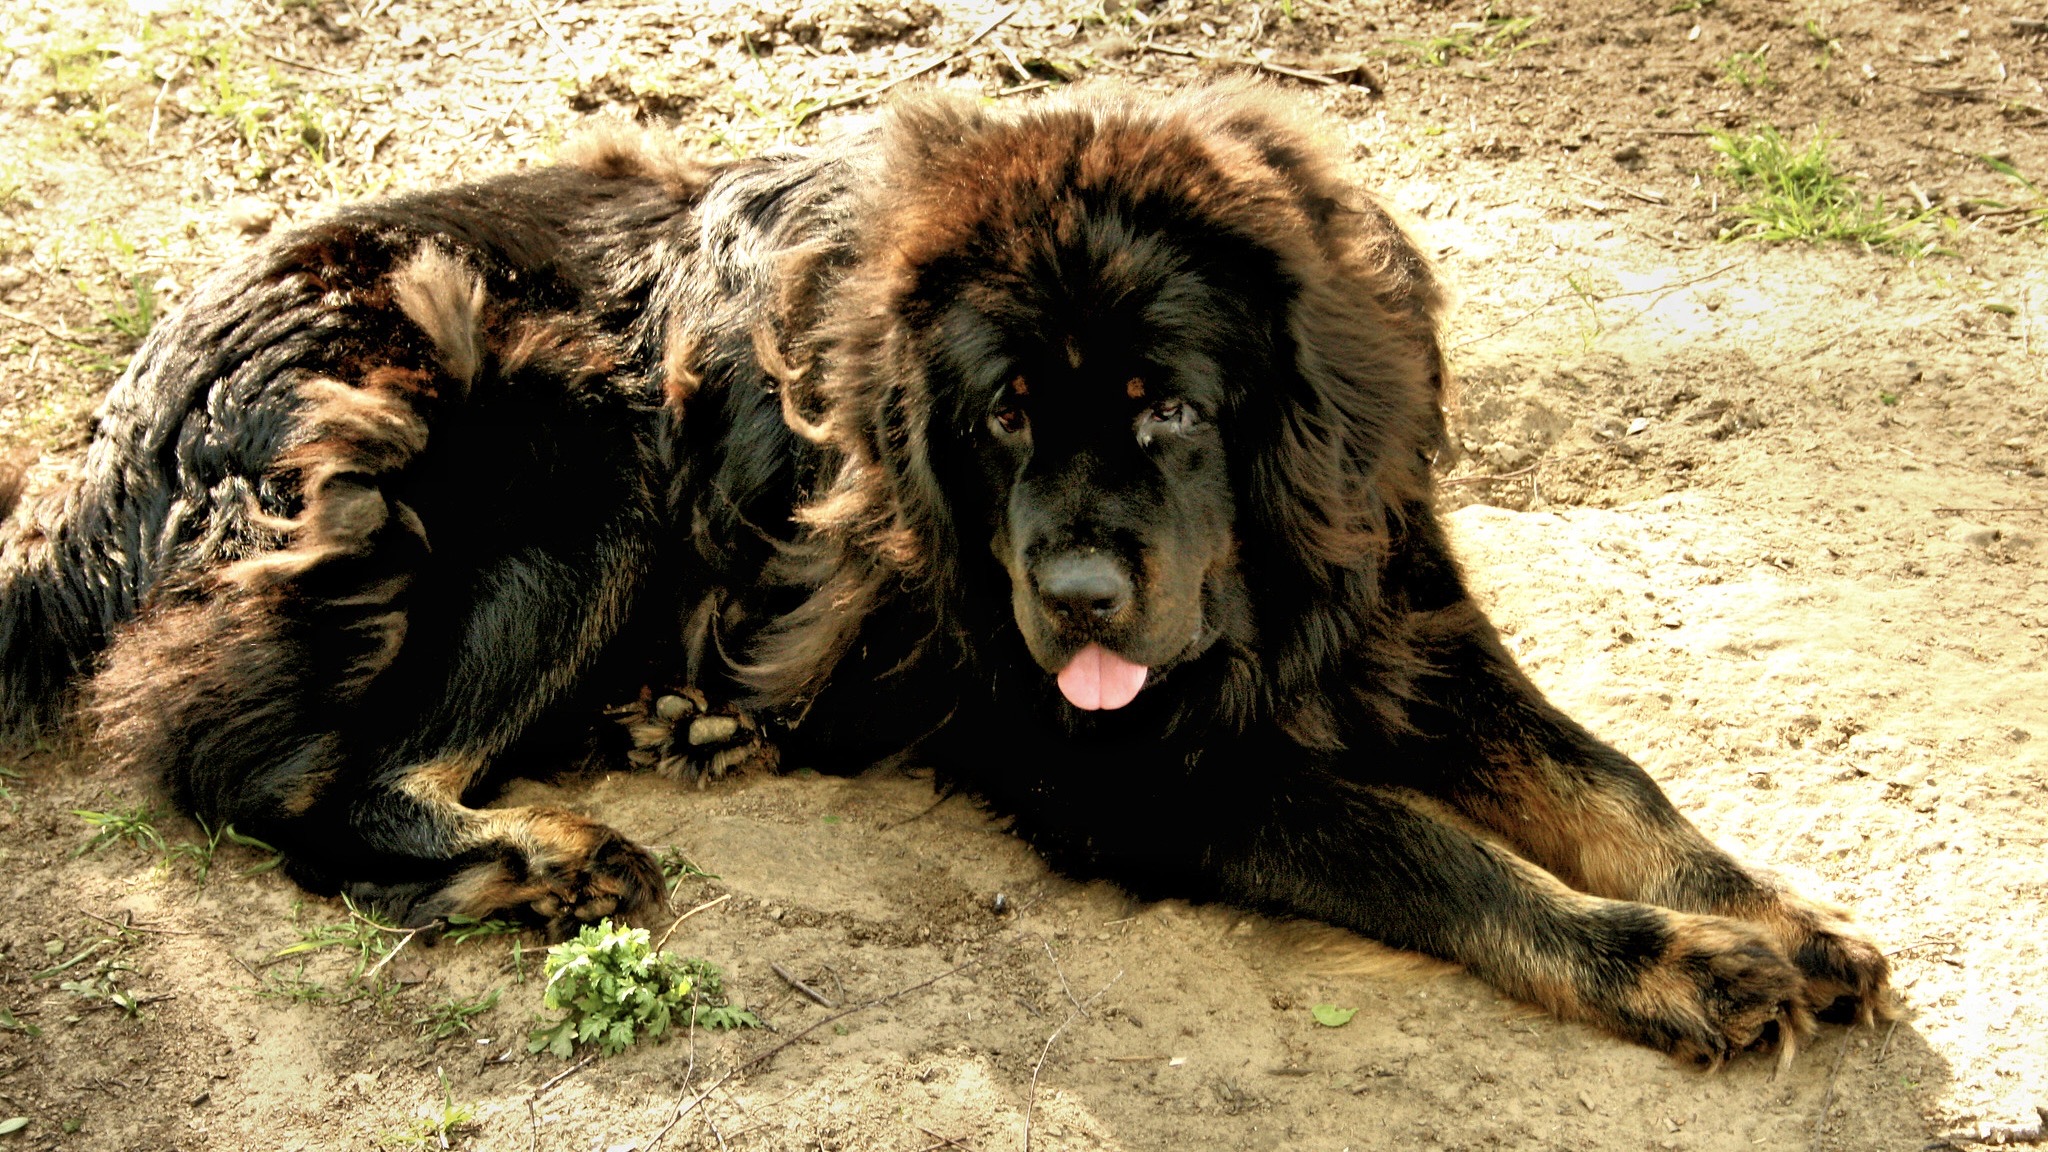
[1142, 353]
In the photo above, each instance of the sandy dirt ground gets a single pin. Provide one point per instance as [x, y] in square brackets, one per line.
[1770, 517]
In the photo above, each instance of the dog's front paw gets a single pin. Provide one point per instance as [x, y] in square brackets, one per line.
[681, 736]
[550, 867]
[1720, 987]
[1847, 980]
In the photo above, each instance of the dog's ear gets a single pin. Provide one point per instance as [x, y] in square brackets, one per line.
[1356, 412]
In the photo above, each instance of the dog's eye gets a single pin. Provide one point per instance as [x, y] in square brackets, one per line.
[1011, 420]
[1165, 416]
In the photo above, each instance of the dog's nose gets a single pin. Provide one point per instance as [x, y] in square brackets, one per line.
[1079, 584]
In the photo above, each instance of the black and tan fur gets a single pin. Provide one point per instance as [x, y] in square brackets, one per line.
[413, 492]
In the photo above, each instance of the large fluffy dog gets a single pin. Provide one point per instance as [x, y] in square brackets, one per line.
[1083, 453]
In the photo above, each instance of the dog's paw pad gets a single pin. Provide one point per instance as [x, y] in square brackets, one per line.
[682, 737]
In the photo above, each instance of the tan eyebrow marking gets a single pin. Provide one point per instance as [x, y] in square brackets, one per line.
[1135, 388]
[1020, 387]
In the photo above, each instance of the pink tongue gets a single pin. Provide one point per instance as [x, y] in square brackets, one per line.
[1097, 678]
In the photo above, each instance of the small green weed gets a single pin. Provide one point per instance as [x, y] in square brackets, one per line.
[453, 1015]
[7, 793]
[296, 987]
[437, 1125]
[136, 826]
[462, 929]
[1491, 37]
[134, 315]
[1750, 69]
[2035, 212]
[678, 868]
[616, 989]
[101, 986]
[8, 1023]
[253, 844]
[1796, 194]
[369, 936]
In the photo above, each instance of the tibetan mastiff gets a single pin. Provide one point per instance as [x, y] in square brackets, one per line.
[1081, 452]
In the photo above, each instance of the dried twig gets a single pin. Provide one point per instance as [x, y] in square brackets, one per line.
[714, 902]
[131, 926]
[320, 68]
[994, 22]
[1519, 472]
[64, 334]
[370, 977]
[684, 1108]
[1080, 1009]
[1960, 511]
[156, 107]
[1827, 1098]
[945, 1141]
[806, 989]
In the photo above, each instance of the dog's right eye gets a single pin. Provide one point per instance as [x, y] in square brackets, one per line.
[1011, 420]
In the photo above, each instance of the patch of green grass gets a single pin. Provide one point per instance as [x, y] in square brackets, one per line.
[1490, 38]
[1823, 42]
[437, 1125]
[1749, 69]
[454, 1014]
[1794, 193]
[135, 826]
[617, 989]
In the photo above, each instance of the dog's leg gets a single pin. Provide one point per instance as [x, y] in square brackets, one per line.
[1396, 867]
[410, 846]
[1501, 755]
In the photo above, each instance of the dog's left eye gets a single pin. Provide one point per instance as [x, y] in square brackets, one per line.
[1165, 416]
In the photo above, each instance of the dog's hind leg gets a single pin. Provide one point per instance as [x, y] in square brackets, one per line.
[1502, 756]
[410, 846]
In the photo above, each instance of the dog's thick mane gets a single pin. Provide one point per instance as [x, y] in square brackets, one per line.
[1333, 454]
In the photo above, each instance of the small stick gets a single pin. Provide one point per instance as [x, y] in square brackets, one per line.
[334, 72]
[370, 977]
[548, 1084]
[1827, 1098]
[1061, 973]
[802, 987]
[1031, 1101]
[1298, 74]
[1487, 479]
[1886, 1047]
[1959, 511]
[862, 97]
[548, 29]
[684, 1109]
[63, 334]
[708, 904]
[156, 107]
[133, 927]
[944, 1141]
